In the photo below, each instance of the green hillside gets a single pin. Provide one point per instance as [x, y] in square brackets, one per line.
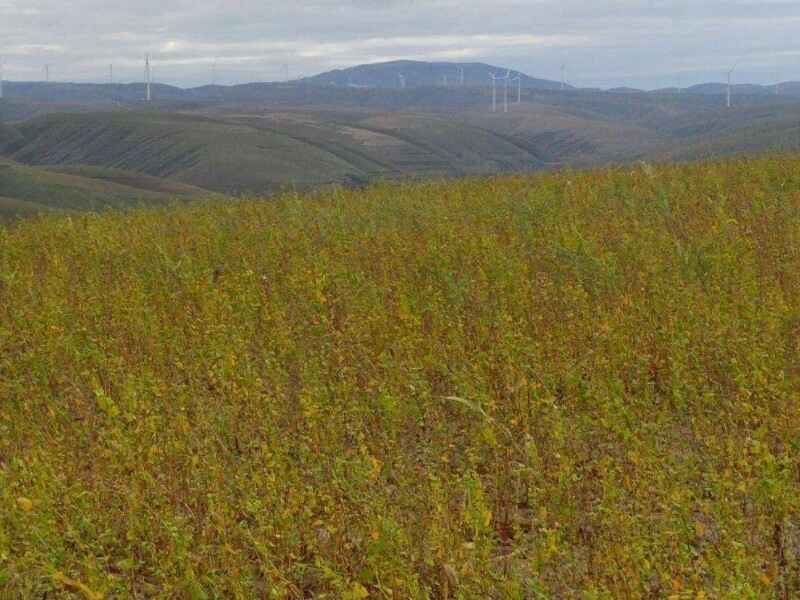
[257, 153]
[574, 385]
[9, 138]
[25, 190]
[223, 156]
[256, 149]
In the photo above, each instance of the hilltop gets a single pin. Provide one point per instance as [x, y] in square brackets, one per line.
[424, 74]
[564, 385]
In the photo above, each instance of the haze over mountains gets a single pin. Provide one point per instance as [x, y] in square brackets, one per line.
[378, 76]
[352, 127]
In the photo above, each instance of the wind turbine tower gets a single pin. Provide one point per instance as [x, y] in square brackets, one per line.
[147, 78]
[111, 74]
[1, 78]
[402, 79]
[494, 92]
[507, 78]
[563, 77]
[47, 73]
[461, 76]
[728, 94]
[518, 79]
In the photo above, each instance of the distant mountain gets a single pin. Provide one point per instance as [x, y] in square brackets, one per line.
[743, 89]
[423, 74]
[626, 90]
[373, 86]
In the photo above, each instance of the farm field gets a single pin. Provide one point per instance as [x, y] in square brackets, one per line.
[570, 385]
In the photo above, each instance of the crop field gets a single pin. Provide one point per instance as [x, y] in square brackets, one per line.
[574, 385]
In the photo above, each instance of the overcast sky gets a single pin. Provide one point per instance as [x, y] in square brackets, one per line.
[607, 43]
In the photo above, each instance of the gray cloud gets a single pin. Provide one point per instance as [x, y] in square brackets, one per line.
[647, 43]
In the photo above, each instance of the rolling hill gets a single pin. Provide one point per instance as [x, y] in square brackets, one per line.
[26, 190]
[265, 153]
[263, 138]
[262, 150]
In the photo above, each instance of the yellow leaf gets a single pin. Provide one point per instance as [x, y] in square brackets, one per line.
[358, 591]
[76, 586]
[699, 529]
[487, 517]
[25, 504]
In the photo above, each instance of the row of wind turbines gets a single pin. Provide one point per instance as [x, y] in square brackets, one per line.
[507, 79]
[148, 77]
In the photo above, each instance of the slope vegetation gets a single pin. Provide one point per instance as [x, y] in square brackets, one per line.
[251, 153]
[25, 190]
[196, 150]
[582, 385]
[252, 149]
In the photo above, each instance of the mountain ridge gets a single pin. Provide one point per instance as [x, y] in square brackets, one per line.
[384, 76]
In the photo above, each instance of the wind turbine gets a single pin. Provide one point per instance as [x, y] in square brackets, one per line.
[147, 78]
[111, 74]
[563, 76]
[1, 78]
[461, 76]
[730, 74]
[494, 91]
[47, 73]
[402, 79]
[518, 79]
[507, 78]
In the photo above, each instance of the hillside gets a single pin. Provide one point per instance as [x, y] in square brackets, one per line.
[265, 153]
[25, 190]
[9, 138]
[195, 150]
[368, 135]
[576, 385]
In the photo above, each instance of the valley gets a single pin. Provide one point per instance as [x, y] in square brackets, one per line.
[261, 139]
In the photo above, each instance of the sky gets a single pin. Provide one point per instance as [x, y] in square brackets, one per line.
[603, 43]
